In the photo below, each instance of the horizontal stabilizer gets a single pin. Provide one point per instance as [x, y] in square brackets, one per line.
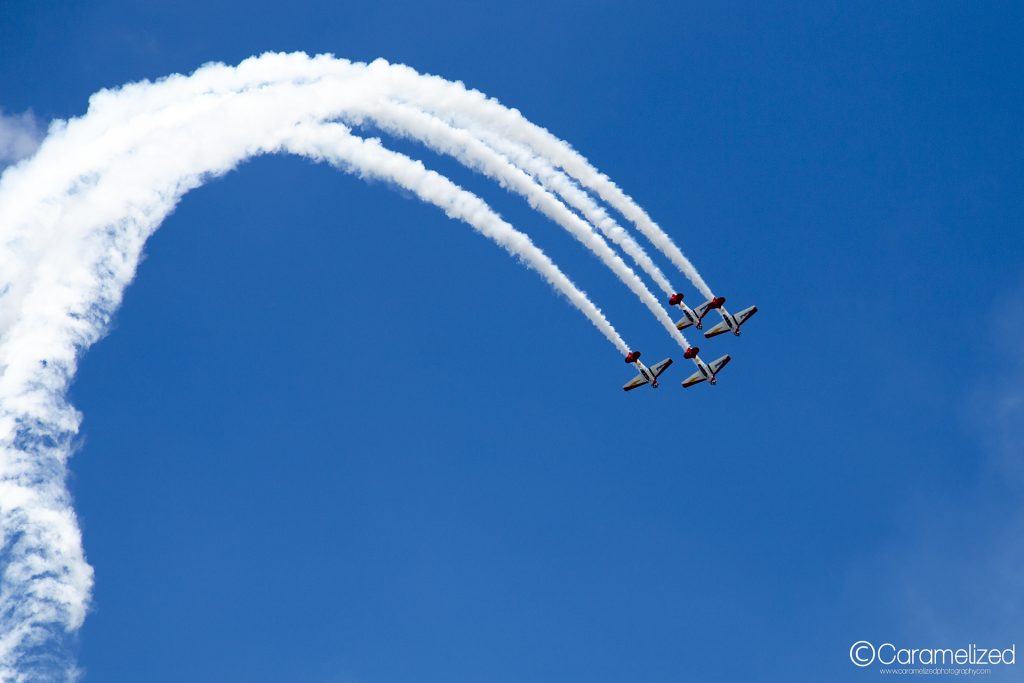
[683, 323]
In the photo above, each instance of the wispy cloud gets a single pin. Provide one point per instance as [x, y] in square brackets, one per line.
[20, 135]
[1001, 418]
[954, 573]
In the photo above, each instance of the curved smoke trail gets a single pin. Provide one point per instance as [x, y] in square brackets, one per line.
[397, 118]
[493, 122]
[462, 145]
[75, 217]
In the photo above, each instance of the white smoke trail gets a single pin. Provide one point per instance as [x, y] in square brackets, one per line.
[398, 119]
[492, 121]
[329, 71]
[368, 158]
[73, 222]
[368, 97]
[435, 133]
[561, 184]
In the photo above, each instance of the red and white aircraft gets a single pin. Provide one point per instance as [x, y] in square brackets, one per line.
[705, 371]
[648, 375]
[730, 322]
[689, 316]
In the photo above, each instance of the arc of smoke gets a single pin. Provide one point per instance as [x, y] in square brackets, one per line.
[328, 73]
[489, 118]
[493, 122]
[435, 133]
[73, 222]
[74, 244]
[291, 66]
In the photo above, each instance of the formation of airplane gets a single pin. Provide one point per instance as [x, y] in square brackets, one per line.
[693, 317]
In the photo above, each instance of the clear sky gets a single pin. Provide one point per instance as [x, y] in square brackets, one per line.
[334, 436]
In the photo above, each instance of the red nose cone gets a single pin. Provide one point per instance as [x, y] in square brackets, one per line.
[675, 299]
[691, 352]
[718, 301]
[632, 357]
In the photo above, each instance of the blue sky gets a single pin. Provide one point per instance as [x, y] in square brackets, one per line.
[335, 437]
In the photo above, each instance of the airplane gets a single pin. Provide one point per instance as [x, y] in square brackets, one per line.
[689, 316]
[648, 375]
[705, 371]
[730, 322]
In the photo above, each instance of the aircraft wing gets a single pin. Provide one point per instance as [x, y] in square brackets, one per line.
[745, 314]
[695, 378]
[661, 366]
[683, 323]
[717, 365]
[637, 381]
[720, 328]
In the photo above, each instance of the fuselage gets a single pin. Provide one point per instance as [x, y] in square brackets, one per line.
[647, 374]
[729, 320]
[691, 316]
[705, 370]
